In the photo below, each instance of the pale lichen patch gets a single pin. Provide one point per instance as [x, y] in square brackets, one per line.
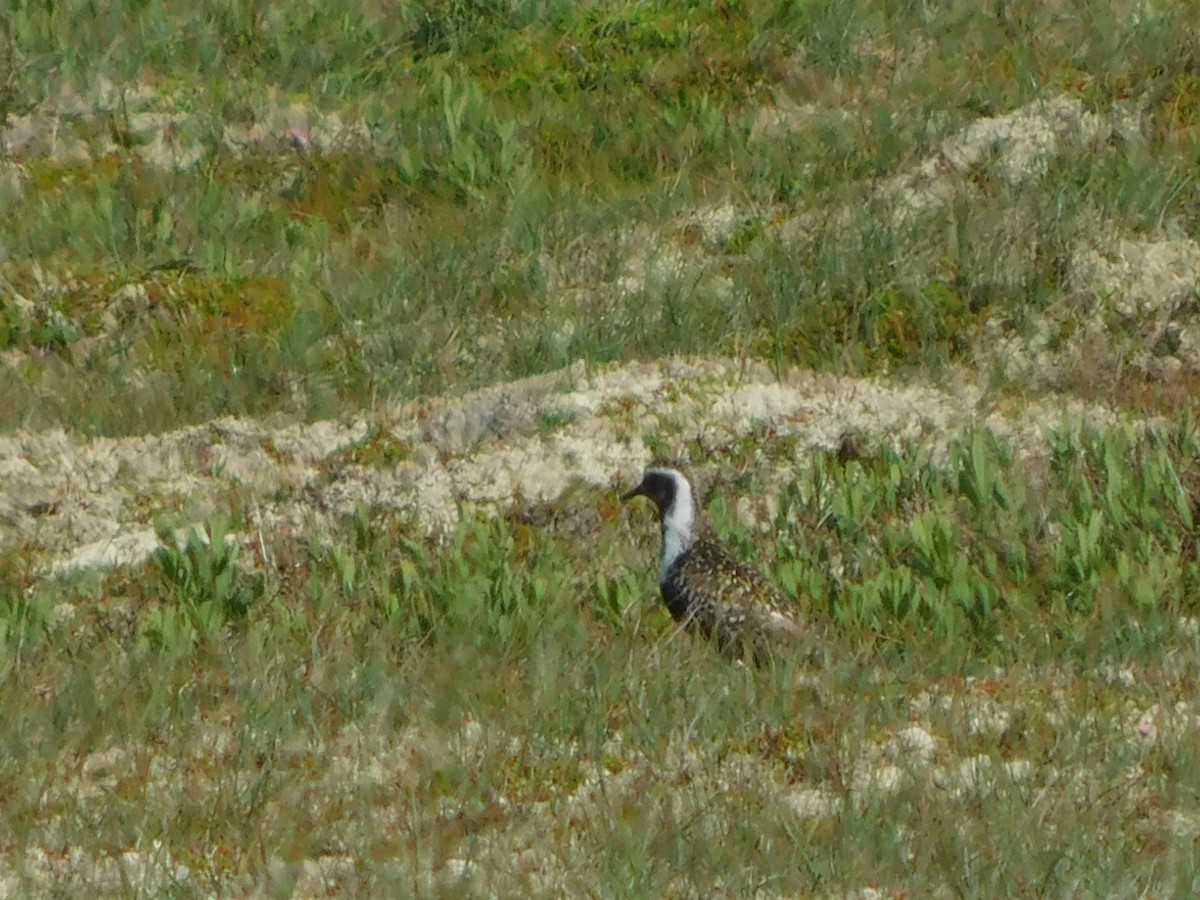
[493, 449]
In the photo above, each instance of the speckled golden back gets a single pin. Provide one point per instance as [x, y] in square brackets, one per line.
[711, 590]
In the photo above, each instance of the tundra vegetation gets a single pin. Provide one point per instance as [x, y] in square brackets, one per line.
[329, 332]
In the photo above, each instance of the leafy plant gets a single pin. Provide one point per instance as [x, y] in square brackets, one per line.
[204, 584]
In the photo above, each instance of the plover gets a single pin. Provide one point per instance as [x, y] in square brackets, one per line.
[705, 587]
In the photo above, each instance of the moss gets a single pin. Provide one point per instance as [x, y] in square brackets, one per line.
[925, 328]
[379, 449]
[258, 305]
[47, 174]
[337, 188]
[273, 452]
[550, 421]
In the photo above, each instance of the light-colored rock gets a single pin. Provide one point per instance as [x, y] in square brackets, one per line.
[813, 803]
[872, 782]
[987, 719]
[1143, 279]
[1018, 146]
[913, 746]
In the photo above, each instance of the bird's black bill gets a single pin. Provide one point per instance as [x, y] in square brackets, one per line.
[636, 492]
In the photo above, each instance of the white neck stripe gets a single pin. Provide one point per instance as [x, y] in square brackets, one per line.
[678, 523]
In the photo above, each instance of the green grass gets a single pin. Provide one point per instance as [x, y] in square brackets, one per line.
[468, 691]
[300, 210]
[507, 157]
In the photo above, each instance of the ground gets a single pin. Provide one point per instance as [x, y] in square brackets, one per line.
[330, 334]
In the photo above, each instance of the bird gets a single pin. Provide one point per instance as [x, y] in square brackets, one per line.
[705, 587]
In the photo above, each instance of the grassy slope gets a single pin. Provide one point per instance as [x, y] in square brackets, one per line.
[506, 168]
[511, 700]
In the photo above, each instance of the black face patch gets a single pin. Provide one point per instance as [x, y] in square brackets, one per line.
[658, 486]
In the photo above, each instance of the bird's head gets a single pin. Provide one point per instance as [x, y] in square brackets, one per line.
[671, 492]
